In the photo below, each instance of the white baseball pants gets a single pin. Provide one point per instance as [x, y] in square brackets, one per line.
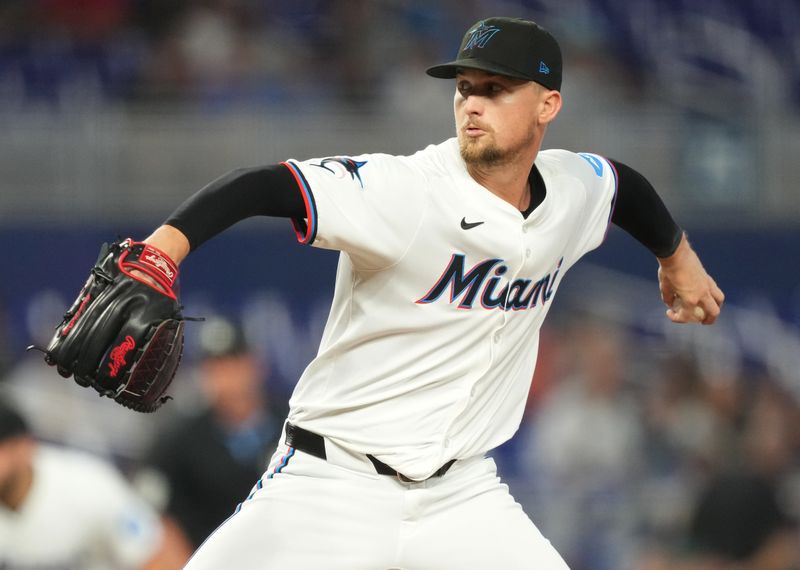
[308, 513]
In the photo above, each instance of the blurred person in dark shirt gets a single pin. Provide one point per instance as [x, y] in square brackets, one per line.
[739, 523]
[209, 460]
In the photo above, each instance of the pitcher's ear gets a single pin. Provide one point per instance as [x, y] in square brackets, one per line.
[549, 105]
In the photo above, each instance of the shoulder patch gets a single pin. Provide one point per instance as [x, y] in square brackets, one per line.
[594, 162]
[342, 166]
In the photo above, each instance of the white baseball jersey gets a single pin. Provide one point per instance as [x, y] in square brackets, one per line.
[79, 513]
[441, 290]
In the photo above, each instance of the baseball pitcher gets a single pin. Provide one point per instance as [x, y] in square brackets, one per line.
[449, 262]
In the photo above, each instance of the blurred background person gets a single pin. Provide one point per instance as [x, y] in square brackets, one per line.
[61, 508]
[586, 453]
[740, 519]
[208, 460]
[689, 437]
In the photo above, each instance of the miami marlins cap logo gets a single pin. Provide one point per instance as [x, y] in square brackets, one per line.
[340, 166]
[480, 36]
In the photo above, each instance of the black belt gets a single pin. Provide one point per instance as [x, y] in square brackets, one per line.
[314, 444]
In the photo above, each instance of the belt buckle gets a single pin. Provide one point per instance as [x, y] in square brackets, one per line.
[438, 473]
[403, 479]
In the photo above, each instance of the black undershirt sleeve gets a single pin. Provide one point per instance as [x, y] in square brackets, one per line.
[640, 212]
[242, 193]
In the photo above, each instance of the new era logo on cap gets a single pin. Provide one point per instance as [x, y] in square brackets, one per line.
[507, 46]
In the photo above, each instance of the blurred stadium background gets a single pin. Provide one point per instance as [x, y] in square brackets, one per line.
[113, 111]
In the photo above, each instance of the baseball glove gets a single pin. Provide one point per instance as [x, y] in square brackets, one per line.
[123, 335]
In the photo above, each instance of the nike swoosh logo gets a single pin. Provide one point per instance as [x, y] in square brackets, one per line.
[465, 225]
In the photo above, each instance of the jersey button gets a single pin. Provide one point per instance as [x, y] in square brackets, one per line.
[528, 252]
[496, 337]
[524, 229]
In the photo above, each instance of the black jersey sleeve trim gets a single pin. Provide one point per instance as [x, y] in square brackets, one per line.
[640, 211]
[305, 228]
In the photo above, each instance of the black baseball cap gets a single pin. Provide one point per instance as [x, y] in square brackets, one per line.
[12, 423]
[507, 46]
[221, 337]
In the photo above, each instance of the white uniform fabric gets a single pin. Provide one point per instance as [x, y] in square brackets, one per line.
[309, 513]
[431, 342]
[79, 513]
[427, 356]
